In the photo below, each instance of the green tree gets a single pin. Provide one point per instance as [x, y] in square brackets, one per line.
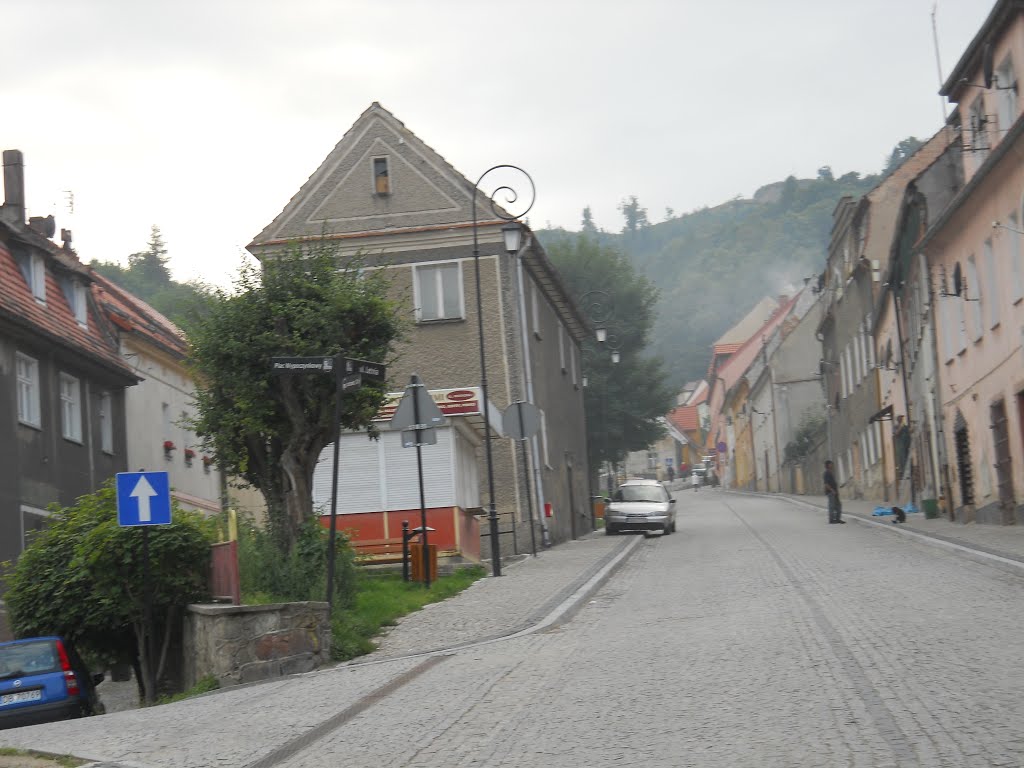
[151, 264]
[635, 216]
[623, 400]
[269, 429]
[82, 577]
[901, 153]
[587, 225]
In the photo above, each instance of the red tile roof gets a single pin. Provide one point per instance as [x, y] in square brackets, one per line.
[54, 320]
[684, 418]
[131, 314]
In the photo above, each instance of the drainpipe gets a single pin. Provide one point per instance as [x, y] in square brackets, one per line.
[538, 480]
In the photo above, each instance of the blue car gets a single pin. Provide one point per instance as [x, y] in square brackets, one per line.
[43, 679]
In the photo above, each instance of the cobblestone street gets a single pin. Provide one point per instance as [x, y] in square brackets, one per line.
[757, 635]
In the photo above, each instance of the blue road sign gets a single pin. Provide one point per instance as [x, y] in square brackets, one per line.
[143, 498]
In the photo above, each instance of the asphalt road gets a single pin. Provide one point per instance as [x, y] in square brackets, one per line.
[758, 635]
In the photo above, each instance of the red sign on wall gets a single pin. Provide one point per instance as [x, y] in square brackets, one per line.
[464, 401]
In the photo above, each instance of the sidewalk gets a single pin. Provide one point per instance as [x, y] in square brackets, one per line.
[997, 541]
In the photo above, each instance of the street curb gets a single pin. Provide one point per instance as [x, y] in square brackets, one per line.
[1003, 561]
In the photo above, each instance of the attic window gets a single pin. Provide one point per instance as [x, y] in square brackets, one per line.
[381, 180]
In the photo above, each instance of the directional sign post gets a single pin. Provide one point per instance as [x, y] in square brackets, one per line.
[144, 500]
[417, 415]
[349, 375]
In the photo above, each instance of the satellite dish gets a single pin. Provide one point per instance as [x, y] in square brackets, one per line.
[987, 65]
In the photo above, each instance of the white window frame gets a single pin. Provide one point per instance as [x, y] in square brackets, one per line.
[70, 407]
[26, 509]
[27, 372]
[419, 284]
[106, 415]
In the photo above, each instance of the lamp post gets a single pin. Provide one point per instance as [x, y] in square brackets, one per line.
[512, 235]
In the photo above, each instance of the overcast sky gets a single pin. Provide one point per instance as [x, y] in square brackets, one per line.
[205, 116]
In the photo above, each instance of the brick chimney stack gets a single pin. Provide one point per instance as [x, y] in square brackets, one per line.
[13, 209]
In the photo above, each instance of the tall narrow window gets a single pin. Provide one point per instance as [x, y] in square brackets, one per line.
[381, 179]
[106, 423]
[165, 420]
[974, 295]
[1006, 82]
[535, 311]
[438, 291]
[561, 349]
[991, 283]
[978, 125]
[38, 281]
[80, 304]
[1017, 284]
[71, 407]
[28, 389]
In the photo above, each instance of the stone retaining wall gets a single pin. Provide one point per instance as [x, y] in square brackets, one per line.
[245, 643]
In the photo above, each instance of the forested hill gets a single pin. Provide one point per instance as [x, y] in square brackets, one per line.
[713, 265]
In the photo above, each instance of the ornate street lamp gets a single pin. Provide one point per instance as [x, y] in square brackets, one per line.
[512, 234]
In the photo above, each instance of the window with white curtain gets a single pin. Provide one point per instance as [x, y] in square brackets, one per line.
[106, 422]
[28, 389]
[71, 407]
[991, 283]
[438, 290]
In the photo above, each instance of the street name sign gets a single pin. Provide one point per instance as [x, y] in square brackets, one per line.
[369, 370]
[351, 381]
[302, 364]
[414, 437]
[143, 498]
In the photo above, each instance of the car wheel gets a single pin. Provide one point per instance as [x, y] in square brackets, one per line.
[609, 531]
[667, 529]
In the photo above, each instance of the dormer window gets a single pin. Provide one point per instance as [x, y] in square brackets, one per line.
[381, 179]
[76, 295]
[34, 270]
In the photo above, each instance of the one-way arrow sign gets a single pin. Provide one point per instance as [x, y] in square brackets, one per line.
[143, 498]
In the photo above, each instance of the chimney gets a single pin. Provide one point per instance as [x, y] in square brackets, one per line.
[14, 186]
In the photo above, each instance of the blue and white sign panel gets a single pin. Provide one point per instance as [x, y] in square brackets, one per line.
[143, 498]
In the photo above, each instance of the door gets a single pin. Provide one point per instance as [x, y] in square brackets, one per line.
[1004, 466]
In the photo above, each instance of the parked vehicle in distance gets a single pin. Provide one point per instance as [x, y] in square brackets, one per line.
[640, 505]
[43, 679]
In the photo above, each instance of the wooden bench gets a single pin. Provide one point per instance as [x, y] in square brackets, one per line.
[375, 551]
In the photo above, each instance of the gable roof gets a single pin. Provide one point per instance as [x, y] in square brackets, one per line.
[54, 321]
[338, 200]
[734, 338]
[132, 315]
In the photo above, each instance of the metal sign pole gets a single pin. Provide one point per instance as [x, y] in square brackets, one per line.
[333, 534]
[425, 559]
[147, 632]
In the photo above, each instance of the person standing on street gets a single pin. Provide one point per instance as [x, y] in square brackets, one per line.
[695, 480]
[835, 508]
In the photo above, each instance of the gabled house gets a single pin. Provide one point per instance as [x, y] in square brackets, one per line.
[973, 249]
[859, 252]
[384, 194]
[159, 406]
[61, 373]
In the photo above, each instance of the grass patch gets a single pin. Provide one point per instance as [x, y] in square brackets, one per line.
[203, 685]
[64, 761]
[381, 599]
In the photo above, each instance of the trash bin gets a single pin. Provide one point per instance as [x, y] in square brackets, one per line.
[416, 561]
[931, 508]
[598, 504]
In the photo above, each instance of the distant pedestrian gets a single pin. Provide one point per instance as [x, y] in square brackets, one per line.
[671, 473]
[835, 507]
[695, 480]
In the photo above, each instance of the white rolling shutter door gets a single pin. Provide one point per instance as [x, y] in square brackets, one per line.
[401, 479]
[358, 476]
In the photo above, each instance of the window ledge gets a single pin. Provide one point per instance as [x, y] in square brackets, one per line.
[30, 425]
[441, 321]
[75, 440]
[537, 335]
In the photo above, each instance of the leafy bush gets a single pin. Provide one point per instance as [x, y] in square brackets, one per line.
[82, 577]
[268, 576]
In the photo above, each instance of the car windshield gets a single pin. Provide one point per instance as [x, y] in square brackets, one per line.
[639, 493]
[20, 659]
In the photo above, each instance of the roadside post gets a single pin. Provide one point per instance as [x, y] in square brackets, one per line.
[521, 421]
[144, 500]
[349, 374]
[417, 416]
